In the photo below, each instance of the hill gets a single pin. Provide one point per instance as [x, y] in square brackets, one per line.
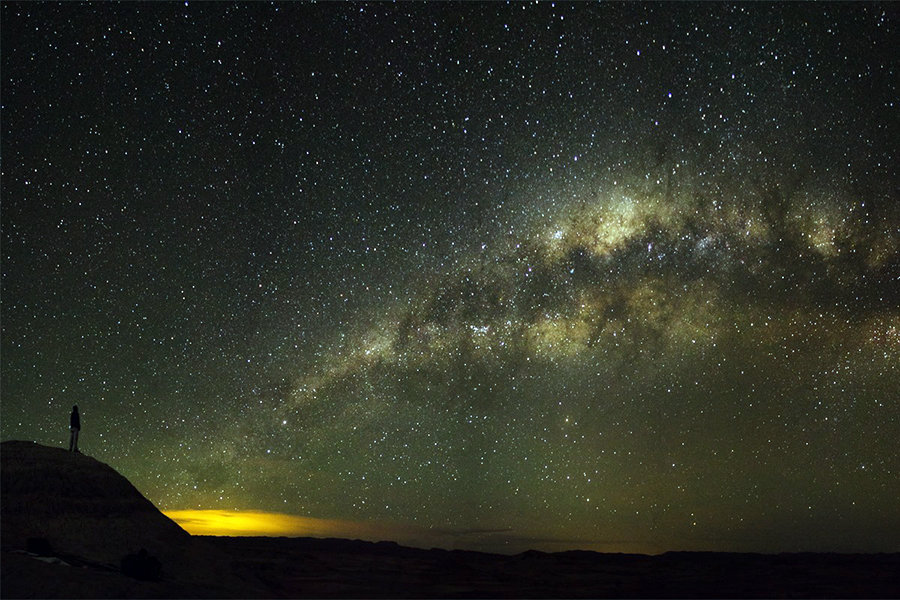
[82, 518]
[68, 521]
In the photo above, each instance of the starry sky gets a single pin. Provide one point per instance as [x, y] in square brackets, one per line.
[620, 277]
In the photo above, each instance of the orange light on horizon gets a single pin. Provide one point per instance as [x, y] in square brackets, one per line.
[262, 523]
[242, 523]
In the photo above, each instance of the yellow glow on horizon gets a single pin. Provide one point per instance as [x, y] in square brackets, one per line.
[261, 523]
[237, 523]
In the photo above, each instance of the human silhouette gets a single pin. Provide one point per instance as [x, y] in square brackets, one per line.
[74, 427]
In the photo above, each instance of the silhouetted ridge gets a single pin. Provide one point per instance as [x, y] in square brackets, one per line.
[80, 505]
[90, 534]
[76, 509]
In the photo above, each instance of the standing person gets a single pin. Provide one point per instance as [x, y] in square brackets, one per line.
[74, 427]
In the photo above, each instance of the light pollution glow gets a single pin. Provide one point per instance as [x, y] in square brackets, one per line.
[252, 523]
[262, 523]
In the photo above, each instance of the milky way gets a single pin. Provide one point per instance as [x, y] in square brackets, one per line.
[616, 277]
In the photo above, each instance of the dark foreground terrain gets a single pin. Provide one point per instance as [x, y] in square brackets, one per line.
[341, 568]
[315, 568]
[72, 527]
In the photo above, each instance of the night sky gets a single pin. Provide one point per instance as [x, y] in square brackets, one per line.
[620, 277]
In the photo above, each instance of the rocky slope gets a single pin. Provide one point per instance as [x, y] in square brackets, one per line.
[78, 513]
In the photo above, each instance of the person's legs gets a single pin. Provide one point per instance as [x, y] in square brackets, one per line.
[73, 441]
[76, 439]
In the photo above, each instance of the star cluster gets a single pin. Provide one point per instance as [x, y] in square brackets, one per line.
[617, 276]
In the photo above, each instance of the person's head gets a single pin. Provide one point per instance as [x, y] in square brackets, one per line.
[75, 408]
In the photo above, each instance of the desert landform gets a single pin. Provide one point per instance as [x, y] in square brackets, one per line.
[72, 527]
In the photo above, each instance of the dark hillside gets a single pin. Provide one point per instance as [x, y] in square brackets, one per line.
[83, 518]
[80, 505]
[68, 521]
